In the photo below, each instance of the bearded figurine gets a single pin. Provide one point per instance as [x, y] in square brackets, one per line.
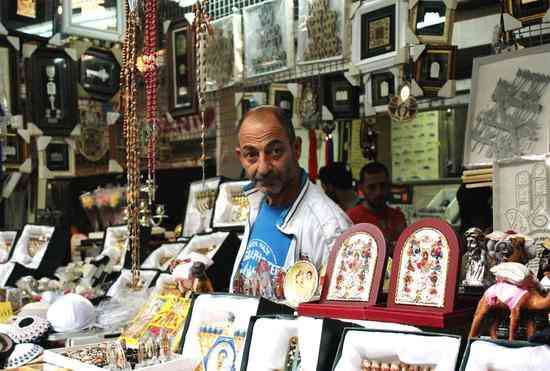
[476, 268]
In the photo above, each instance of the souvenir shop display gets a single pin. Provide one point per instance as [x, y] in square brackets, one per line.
[435, 70]
[485, 354]
[321, 30]
[231, 207]
[217, 327]
[7, 242]
[519, 76]
[53, 92]
[123, 285]
[432, 21]
[200, 205]
[370, 349]
[99, 73]
[378, 33]
[220, 251]
[354, 274]
[268, 30]
[223, 53]
[163, 256]
[297, 343]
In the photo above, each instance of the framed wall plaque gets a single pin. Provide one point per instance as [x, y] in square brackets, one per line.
[98, 19]
[181, 57]
[382, 87]
[9, 76]
[379, 29]
[52, 91]
[434, 68]
[528, 11]
[432, 20]
[425, 267]
[340, 97]
[281, 96]
[56, 157]
[16, 150]
[33, 17]
[99, 73]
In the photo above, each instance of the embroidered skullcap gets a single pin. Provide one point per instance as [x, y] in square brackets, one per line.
[23, 354]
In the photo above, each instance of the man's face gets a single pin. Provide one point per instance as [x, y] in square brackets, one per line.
[266, 154]
[375, 189]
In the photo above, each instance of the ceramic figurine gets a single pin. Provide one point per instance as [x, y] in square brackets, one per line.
[476, 258]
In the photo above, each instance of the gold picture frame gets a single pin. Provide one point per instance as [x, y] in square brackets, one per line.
[432, 21]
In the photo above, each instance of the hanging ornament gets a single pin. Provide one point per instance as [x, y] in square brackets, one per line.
[328, 127]
[403, 106]
[312, 165]
[368, 139]
[131, 133]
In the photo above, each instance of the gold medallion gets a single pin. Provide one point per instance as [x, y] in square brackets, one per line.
[301, 282]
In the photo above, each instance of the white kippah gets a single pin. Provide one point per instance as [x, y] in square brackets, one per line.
[71, 312]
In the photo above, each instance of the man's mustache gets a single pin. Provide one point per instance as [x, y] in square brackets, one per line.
[265, 178]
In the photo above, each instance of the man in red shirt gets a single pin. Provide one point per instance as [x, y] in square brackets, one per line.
[374, 183]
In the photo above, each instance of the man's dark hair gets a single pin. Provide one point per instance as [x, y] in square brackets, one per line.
[337, 174]
[283, 117]
[373, 168]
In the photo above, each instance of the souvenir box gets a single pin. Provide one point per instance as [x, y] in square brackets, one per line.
[57, 357]
[162, 257]
[501, 355]
[296, 343]
[115, 246]
[231, 208]
[200, 205]
[354, 275]
[221, 248]
[217, 326]
[432, 351]
[39, 251]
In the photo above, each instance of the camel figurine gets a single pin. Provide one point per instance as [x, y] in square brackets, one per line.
[515, 290]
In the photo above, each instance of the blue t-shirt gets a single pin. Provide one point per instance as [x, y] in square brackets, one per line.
[261, 272]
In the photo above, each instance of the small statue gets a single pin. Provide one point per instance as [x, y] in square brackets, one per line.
[201, 282]
[516, 289]
[476, 268]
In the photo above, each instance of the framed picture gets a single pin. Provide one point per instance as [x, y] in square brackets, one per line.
[268, 29]
[16, 150]
[425, 267]
[102, 20]
[322, 36]
[528, 11]
[250, 100]
[379, 29]
[181, 63]
[9, 77]
[282, 97]
[99, 73]
[7, 242]
[518, 84]
[341, 98]
[434, 68]
[52, 89]
[56, 157]
[432, 20]
[29, 16]
[356, 266]
[382, 87]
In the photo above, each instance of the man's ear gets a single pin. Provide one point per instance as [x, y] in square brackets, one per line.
[298, 147]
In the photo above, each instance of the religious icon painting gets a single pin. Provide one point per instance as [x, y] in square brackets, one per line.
[181, 57]
[382, 87]
[7, 241]
[425, 267]
[356, 265]
[301, 283]
[434, 68]
[432, 20]
[528, 11]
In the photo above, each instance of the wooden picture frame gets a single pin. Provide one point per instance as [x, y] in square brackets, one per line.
[433, 31]
[432, 244]
[528, 12]
[373, 269]
[80, 24]
[281, 96]
[17, 14]
[382, 87]
[181, 64]
[9, 75]
[56, 157]
[341, 97]
[99, 73]
[386, 21]
[51, 70]
[434, 68]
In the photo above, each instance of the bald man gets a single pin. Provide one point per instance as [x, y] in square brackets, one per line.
[290, 218]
